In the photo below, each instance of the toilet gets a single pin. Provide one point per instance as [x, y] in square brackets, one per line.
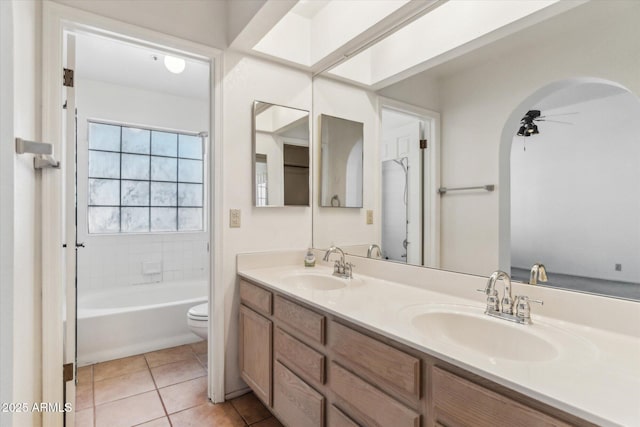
[198, 320]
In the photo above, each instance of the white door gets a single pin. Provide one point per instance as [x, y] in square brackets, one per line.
[400, 143]
[70, 233]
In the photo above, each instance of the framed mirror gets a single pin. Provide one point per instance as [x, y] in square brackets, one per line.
[341, 162]
[487, 197]
[281, 155]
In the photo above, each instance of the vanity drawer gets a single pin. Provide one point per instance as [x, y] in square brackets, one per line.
[299, 357]
[387, 367]
[337, 418]
[459, 402]
[294, 401]
[370, 405]
[255, 297]
[307, 322]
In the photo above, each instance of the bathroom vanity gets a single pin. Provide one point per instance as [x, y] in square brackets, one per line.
[319, 350]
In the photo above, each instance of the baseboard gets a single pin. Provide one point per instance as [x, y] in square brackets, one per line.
[237, 393]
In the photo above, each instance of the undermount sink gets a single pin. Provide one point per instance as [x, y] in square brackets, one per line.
[492, 337]
[317, 281]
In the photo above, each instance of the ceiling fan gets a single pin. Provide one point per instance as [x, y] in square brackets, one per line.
[528, 127]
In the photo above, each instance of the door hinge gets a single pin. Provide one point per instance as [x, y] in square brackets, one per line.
[67, 77]
[67, 372]
[423, 144]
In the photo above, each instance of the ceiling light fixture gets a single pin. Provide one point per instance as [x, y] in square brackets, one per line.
[174, 65]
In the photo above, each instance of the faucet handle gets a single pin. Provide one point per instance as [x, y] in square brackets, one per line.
[523, 309]
[493, 303]
[348, 269]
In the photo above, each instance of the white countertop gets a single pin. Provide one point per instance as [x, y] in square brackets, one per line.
[595, 376]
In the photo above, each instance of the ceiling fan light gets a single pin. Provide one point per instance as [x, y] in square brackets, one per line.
[521, 131]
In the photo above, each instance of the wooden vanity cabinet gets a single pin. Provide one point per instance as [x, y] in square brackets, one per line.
[314, 369]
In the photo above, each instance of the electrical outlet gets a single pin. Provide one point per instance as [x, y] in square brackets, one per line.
[234, 218]
[369, 217]
[618, 267]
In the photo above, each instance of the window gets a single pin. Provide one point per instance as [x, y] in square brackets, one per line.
[144, 180]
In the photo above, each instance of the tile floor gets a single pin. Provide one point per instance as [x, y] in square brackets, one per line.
[160, 389]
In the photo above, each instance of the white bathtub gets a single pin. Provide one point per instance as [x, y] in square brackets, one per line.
[136, 319]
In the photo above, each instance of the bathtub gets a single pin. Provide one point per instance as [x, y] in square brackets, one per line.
[135, 319]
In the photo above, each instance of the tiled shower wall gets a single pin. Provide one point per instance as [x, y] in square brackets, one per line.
[110, 261]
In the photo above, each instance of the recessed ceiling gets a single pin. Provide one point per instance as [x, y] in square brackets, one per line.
[117, 62]
[451, 30]
[375, 43]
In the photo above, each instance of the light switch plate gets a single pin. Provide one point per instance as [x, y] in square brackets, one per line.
[234, 218]
[369, 217]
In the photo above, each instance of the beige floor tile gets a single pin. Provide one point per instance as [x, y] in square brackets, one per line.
[250, 408]
[184, 395]
[203, 359]
[177, 372]
[115, 368]
[130, 411]
[123, 386]
[269, 422]
[85, 374]
[84, 418]
[199, 347]
[84, 396]
[220, 415]
[169, 355]
[160, 422]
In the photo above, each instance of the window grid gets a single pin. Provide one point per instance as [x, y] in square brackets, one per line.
[150, 156]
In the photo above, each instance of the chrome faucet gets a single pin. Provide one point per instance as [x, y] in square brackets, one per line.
[372, 248]
[504, 309]
[538, 272]
[340, 267]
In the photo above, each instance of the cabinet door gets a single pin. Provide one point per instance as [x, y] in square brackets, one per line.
[255, 352]
[295, 402]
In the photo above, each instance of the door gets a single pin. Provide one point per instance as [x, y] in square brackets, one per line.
[70, 230]
[401, 145]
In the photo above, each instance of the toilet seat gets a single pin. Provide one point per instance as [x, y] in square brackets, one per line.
[199, 312]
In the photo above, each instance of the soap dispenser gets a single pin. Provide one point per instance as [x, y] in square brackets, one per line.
[310, 259]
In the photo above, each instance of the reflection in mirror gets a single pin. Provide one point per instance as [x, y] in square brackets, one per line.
[341, 162]
[579, 172]
[564, 201]
[280, 155]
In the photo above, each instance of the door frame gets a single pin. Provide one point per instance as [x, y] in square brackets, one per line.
[431, 179]
[56, 20]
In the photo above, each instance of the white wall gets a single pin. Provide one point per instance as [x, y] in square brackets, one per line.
[575, 191]
[6, 207]
[476, 102]
[116, 260]
[200, 21]
[245, 80]
[347, 226]
[27, 335]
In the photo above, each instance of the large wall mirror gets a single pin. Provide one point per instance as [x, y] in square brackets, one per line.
[341, 143]
[520, 152]
[280, 155]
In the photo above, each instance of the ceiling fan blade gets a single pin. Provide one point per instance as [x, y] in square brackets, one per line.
[559, 114]
[553, 121]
